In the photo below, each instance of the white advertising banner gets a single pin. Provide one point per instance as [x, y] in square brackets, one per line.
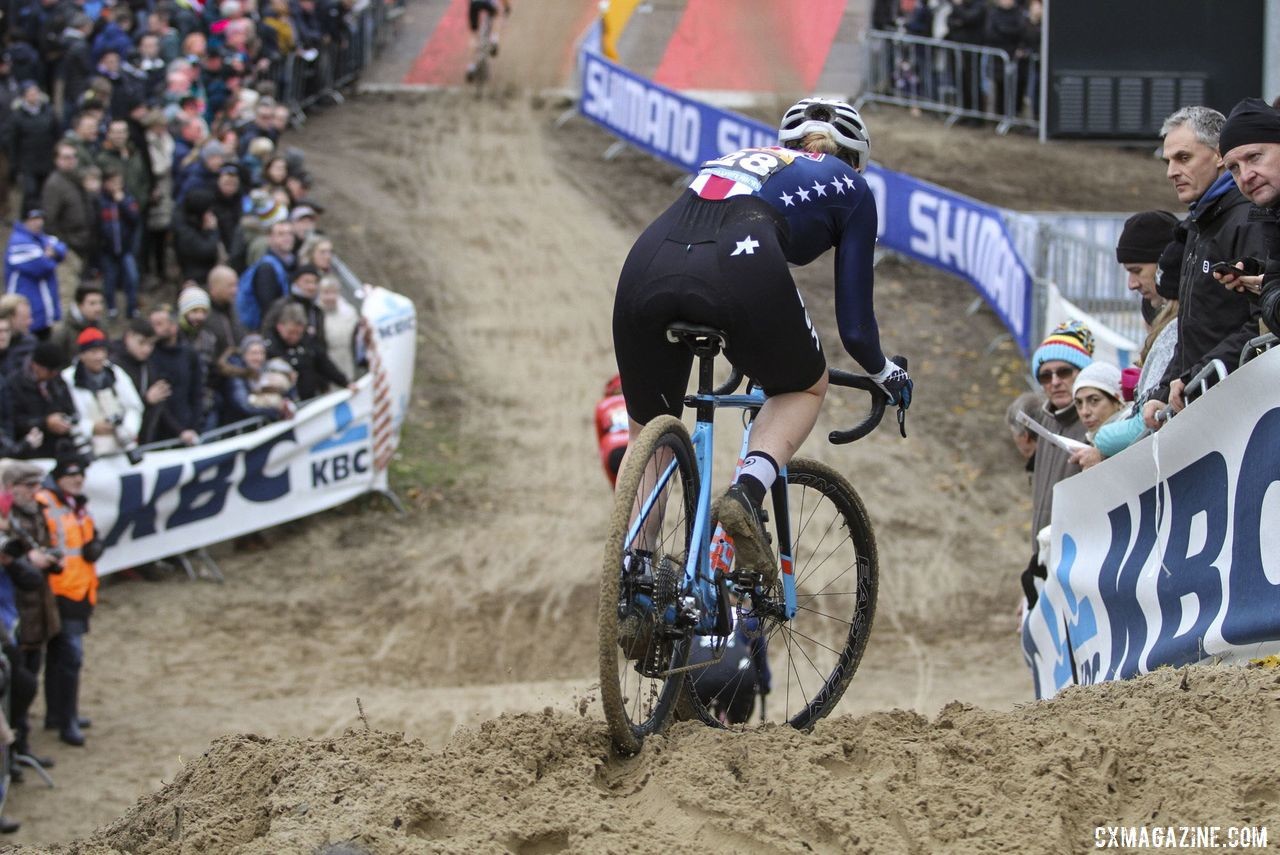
[1169, 552]
[335, 448]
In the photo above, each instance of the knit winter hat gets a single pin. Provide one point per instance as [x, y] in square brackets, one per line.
[1071, 342]
[1144, 237]
[90, 338]
[250, 340]
[1101, 376]
[265, 207]
[212, 148]
[192, 297]
[1251, 121]
[49, 355]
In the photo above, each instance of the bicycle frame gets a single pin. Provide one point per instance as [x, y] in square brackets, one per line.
[710, 552]
[715, 552]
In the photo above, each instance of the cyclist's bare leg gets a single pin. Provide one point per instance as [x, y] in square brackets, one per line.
[785, 420]
[776, 434]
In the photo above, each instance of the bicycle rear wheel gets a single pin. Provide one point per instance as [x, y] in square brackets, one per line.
[805, 664]
[653, 514]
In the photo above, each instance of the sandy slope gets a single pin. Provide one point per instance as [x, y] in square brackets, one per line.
[1041, 779]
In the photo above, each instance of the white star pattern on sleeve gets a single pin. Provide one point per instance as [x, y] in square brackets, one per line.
[819, 188]
[848, 182]
[787, 199]
[803, 194]
[838, 186]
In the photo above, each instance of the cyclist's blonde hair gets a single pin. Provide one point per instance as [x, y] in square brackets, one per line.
[817, 142]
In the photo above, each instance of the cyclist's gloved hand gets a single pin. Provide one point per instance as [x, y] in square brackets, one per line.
[895, 382]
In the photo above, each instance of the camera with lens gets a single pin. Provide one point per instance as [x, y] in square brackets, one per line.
[16, 545]
[127, 441]
[112, 411]
[81, 446]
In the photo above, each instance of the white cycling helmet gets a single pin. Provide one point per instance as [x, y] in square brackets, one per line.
[829, 116]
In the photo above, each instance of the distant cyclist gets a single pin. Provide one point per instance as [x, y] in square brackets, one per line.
[475, 10]
[719, 256]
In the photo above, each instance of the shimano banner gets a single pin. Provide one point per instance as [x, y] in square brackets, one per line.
[1163, 555]
[334, 448]
[928, 223]
[959, 235]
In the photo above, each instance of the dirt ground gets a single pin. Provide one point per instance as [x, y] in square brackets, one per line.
[425, 683]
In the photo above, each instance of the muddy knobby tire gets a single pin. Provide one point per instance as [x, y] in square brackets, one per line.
[632, 716]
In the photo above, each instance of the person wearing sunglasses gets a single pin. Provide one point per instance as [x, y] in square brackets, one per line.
[1054, 365]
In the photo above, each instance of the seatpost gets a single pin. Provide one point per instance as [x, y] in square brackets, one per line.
[706, 384]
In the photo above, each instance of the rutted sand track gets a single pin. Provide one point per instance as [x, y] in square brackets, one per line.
[1037, 780]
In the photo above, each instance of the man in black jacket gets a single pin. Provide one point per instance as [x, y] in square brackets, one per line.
[1213, 322]
[289, 341]
[1251, 153]
[41, 399]
[268, 284]
[175, 361]
[132, 353]
[33, 132]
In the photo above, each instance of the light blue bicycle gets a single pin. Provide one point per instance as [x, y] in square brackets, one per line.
[669, 583]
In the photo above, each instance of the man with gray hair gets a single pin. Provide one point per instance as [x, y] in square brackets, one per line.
[1213, 322]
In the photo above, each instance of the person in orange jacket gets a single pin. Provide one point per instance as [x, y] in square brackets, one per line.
[612, 432]
[75, 591]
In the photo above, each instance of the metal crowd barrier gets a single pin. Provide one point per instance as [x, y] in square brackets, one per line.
[1077, 253]
[961, 81]
[304, 83]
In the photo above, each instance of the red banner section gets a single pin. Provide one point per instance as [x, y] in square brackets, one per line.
[752, 45]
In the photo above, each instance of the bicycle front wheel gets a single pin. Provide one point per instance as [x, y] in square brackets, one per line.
[795, 671]
[653, 514]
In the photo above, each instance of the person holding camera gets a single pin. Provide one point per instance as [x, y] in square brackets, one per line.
[38, 619]
[41, 400]
[108, 408]
[75, 591]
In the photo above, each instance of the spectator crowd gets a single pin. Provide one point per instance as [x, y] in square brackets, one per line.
[166, 275]
[972, 82]
[1209, 285]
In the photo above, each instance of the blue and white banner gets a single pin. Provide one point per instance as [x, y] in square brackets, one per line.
[335, 448]
[1169, 552]
[928, 223]
[959, 235]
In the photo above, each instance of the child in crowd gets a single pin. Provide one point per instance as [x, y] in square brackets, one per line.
[274, 385]
[118, 215]
[91, 183]
[260, 151]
